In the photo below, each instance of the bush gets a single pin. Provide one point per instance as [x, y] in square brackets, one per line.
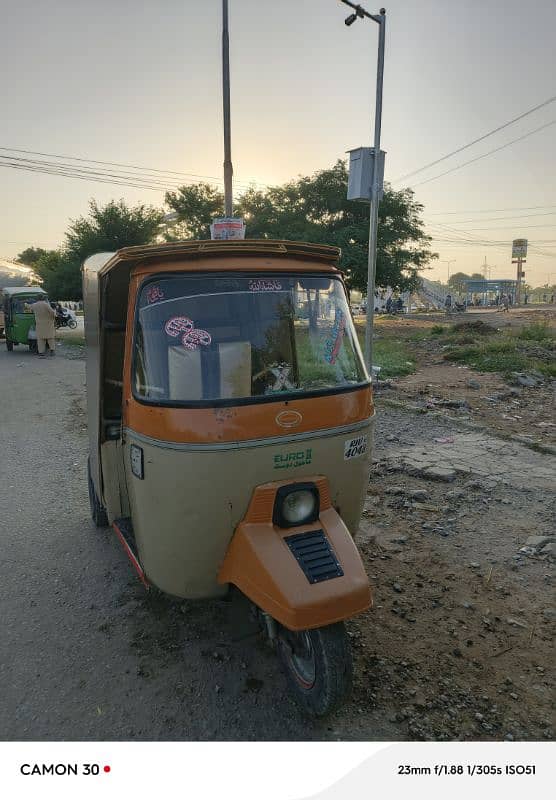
[537, 331]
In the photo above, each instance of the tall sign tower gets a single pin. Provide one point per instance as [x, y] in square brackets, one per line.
[519, 257]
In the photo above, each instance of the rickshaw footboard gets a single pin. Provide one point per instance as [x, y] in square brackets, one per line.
[124, 531]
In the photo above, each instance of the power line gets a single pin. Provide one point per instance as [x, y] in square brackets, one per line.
[509, 227]
[86, 173]
[125, 166]
[488, 210]
[475, 141]
[499, 219]
[484, 155]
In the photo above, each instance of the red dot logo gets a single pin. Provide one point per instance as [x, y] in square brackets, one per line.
[107, 768]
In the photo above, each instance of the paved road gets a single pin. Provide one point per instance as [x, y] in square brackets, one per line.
[84, 652]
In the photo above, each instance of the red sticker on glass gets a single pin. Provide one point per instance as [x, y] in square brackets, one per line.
[154, 294]
[177, 325]
[193, 338]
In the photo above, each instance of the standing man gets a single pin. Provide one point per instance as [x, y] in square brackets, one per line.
[448, 303]
[44, 325]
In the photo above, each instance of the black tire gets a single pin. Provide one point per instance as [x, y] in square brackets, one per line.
[319, 667]
[9, 345]
[72, 324]
[98, 512]
[33, 346]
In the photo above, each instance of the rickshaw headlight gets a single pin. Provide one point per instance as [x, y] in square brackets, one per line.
[297, 504]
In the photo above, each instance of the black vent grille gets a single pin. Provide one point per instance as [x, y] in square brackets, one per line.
[314, 555]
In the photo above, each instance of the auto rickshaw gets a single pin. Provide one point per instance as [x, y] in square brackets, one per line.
[19, 320]
[230, 417]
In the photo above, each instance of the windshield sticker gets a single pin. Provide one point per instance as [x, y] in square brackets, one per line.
[355, 447]
[193, 338]
[177, 325]
[154, 294]
[333, 344]
[281, 372]
[265, 286]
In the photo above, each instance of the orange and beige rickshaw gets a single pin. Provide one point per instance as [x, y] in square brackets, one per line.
[230, 418]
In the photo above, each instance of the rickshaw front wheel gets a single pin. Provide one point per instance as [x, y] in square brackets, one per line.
[9, 345]
[318, 665]
[98, 512]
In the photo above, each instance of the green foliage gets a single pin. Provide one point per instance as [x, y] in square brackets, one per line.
[394, 358]
[314, 209]
[437, 330]
[30, 256]
[106, 229]
[197, 206]
[111, 227]
[537, 331]
[508, 352]
[60, 274]
[456, 282]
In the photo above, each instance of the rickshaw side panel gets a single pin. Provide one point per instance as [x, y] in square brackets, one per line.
[92, 286]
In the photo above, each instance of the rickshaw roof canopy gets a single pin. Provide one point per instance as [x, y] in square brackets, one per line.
[9, 290]
[204, 248]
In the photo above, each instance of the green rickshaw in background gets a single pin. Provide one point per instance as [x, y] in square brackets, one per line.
[19, 320]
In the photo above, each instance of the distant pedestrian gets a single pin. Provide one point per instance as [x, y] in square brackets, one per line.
[526, 299]
[44, 325]
[552, 298]
[448, 303]
[505, 300]
[389, 305]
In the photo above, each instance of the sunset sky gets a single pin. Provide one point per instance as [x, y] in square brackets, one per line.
[140, 83]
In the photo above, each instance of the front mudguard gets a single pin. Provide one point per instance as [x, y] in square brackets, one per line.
[261, 564]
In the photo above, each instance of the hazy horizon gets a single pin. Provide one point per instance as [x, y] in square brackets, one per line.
[139, 83]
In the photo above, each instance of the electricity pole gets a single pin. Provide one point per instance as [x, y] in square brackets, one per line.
[451, 261]
[375, 187]
[228, 169]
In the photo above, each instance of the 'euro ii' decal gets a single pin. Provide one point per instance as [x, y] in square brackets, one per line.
[299, 458]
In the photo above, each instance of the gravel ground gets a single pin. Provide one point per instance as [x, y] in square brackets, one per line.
[86, 654]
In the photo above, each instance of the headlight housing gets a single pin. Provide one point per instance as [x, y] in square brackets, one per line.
[297, 504]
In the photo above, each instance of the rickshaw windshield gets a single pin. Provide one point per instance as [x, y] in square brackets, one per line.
[218, 338]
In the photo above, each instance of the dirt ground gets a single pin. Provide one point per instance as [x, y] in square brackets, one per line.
[483, 398]
[460, 642]
[457, 646]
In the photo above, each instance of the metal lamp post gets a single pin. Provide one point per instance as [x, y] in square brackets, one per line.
[451, 261]
[380, 18]
[228, 169]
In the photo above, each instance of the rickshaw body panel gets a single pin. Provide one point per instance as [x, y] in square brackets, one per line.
[260, 563]
[192, 499]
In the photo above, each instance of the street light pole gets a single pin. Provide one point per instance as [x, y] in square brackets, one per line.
[375, 187]
[228, 169]
[451, 261]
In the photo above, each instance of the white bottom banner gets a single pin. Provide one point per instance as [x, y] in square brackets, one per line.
[277, 771]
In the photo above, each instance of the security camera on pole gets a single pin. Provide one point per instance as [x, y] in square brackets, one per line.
[366, 173]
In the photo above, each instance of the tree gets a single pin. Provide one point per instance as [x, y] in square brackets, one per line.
[315, 209]
[456, 282]
[196, 207]
[30, 256]
[60, 274]
[109, 228]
